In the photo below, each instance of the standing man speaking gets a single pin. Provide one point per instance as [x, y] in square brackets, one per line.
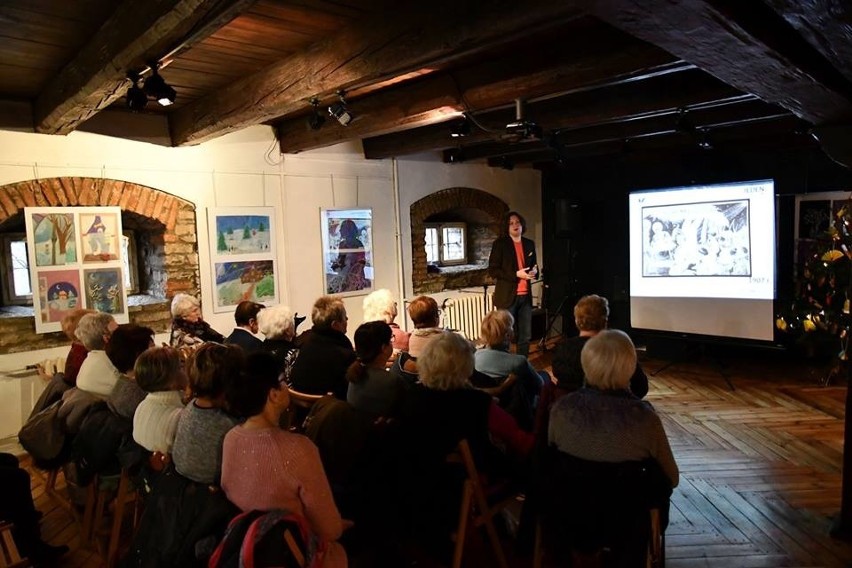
[513, 264]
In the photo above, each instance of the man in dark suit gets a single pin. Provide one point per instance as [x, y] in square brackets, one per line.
[513, 265]
[243, 335]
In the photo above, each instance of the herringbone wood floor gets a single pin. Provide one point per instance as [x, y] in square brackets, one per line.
[760, 467]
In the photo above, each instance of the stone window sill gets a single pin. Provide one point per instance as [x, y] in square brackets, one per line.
[132, 301]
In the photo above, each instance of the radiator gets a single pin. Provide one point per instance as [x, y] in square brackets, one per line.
[464, 314]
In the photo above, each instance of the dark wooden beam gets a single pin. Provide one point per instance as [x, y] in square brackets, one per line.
[388, 45]
[16, 115]
[824, 25]
[776, 133]
[136, 33]
[542, 70]
[726, 113]
[620, 102]
[745, 44]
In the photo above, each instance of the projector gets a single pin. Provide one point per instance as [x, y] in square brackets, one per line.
[523, 130]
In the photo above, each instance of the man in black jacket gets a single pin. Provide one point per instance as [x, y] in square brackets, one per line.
[514, 265]
[324, 351]
[246, 318]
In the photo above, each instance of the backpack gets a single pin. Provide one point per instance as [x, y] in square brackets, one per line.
[258, 539]
[44, 437]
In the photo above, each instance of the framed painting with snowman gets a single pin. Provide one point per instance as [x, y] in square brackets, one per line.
[75, 261]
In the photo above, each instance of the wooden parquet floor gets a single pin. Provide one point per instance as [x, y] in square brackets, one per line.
[760, 468]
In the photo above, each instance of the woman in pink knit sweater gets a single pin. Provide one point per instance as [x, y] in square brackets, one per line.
[265, 467]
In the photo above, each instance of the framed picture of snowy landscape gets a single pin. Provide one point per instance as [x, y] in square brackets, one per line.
[242, 254]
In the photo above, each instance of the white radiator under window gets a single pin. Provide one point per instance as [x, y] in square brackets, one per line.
[464, 314]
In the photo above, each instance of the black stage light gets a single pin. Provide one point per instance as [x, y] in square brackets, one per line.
[136, 98]
[704, 141]
[460, 128]
[315, 119]
[340, 110]
[157, 88]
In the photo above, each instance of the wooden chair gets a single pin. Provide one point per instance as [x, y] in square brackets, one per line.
[300, 406]
[582, 498]
[476, 510]
[9, 555]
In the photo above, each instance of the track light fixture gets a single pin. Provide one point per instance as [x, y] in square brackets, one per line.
[506, 163]
[455, 156]
[315, 119]
[684, 123]
[136, 98]
[460, 128]
[340, 111]
[704, 141]
[157, 88]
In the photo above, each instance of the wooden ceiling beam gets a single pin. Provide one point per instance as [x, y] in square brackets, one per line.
[486, 86]
[744, 44]
[136, 33]
[390, 44]
[725, 113]
[620, 102]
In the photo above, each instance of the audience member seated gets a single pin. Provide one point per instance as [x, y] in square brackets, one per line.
[188, 327]
[78, 352]
[17, 508]
[105, 442]
[381, 306]
[423, 311]
[125, 345]
[437, 413]
[604, 422]
[278, 325]
[325, 352]
[97, 374]
[495, 361]
[213, 370]
[266, 468]
[373, 389]
[160, 374]
[246, 318]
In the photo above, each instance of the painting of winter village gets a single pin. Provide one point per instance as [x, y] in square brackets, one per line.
[242, 234]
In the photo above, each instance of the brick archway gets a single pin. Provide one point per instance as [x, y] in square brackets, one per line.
[168, 238]
[434, 204]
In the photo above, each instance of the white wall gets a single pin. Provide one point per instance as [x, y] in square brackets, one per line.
[244, 169]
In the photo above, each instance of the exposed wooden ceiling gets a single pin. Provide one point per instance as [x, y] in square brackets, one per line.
[595, 76]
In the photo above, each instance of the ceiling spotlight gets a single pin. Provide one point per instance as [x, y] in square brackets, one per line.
[506, 163]
[315, 119]
[704, 139]
[683, 123]
[339, 110]
[455, 156]
[460, 128]
[136, 98]
[157, 88]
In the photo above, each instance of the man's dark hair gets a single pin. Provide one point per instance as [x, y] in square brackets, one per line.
[246, 311]
[508, 216]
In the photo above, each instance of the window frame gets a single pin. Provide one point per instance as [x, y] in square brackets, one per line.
[132, 261]
[439, 227]
[7, 277]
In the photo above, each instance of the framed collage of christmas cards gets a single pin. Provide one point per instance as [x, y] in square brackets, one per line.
[242, 256]
[75, 261]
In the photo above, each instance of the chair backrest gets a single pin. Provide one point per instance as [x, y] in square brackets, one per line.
[300, 406]
[599, 504]
[303, 400]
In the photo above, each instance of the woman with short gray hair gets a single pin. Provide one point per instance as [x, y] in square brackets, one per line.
[381, 306]
[97, 375]
[188, 326]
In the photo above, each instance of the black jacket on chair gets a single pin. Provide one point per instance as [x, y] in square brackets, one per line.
[503, 266]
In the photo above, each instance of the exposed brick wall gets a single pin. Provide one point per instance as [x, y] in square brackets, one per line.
[167, 245]
[442, 201]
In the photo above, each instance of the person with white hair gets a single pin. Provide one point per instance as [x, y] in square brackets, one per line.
[278, 325]
[188, 326]
[604, 421]
[381, 306]
[97, 374]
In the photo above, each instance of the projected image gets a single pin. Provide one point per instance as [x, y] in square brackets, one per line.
[696, 239]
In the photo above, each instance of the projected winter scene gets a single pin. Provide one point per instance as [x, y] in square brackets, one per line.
[696, 239]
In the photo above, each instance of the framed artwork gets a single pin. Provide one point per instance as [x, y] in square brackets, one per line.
[347, 243]
[103, 289]
[59, 294]
[242, 254]
[100, 237]
[75, 261]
